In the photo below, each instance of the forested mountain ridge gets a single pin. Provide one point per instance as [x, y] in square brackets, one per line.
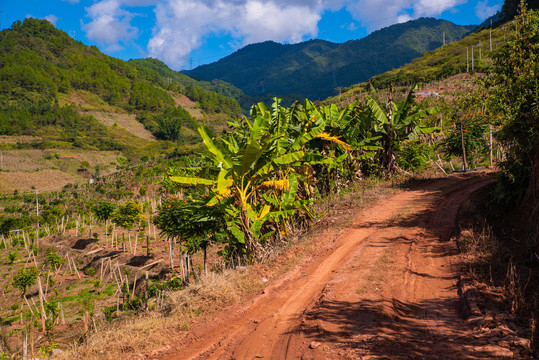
[313, 69]
[50, 82]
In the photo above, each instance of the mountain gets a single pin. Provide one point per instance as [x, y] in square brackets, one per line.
[70, 95]
[315, 68]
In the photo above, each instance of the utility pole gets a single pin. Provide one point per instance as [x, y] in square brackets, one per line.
[443, 41]
[37, 202]
[37, 230]
[464, 164]
[479, 47]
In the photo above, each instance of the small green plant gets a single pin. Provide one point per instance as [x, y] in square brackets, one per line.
[90, 271]
[53, 259]
[109, 312]
[11, 256]
[24, 279]
[45, 350]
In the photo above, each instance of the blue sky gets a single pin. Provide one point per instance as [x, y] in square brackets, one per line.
[187, 33]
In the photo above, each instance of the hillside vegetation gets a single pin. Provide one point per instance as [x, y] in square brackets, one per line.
[445, 61]
[51, 85]
[313, 69]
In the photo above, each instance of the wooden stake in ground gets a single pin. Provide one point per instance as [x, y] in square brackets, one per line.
[32, 339]
[146, 292]
[171, 253]
[136, 243]
[43, 315]
[86, 321]
[25, 345]
[29, 306]
[62, 319]
[464, 164]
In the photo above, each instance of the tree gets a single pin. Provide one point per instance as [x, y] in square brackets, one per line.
[257, 159]
[127, 215]
[514, 94]
[397, 122]
[103, 210]
[191, 222]
[25, 278]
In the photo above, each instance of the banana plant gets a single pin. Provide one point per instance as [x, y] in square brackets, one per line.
[266, 155]
[246, 166]
[397, 122]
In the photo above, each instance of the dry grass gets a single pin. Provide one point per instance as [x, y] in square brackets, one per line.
[154, 329]
[188, 105]
[87, 101]
[5, 139]
[48, 170]
[24, 160]
[44, 180]
[127, 121]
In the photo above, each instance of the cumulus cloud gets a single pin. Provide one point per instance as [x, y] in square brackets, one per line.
[483, 10]
[52, 18]
[376, 14]
[181, 25]
[110, 25]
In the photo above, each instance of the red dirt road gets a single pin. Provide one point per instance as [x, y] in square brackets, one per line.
[385, 288]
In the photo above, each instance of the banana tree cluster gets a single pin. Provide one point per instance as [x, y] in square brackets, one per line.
[267, 169]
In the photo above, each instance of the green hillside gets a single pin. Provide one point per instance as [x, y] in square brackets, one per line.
[314, 69]
[61, 90]
[442, 62]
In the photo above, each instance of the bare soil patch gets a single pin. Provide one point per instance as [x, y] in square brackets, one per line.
[127, 121]
[188, 105]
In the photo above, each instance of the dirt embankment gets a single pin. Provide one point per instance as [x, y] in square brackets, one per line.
[386, 287]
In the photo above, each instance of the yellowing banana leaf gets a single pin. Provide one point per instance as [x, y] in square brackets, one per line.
[277, 184]
[190, 180]
[264, 211]
[224, 183]
[336, 140]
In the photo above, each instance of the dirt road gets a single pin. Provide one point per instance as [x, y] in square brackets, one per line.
[385, 288]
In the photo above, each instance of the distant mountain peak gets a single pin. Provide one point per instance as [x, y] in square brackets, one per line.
[314, 68]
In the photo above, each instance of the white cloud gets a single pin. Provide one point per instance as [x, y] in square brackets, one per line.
[110, 25]
[72, 1]
[376, 14]
[181, 25]
[351, 27]
[483, 10]
[52, 18]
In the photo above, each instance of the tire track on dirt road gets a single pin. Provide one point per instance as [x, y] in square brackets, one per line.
[389, 264]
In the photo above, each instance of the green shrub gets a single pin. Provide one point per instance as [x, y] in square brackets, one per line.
[24, 279]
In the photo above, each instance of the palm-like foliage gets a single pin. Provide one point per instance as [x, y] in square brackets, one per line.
[397, 122]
